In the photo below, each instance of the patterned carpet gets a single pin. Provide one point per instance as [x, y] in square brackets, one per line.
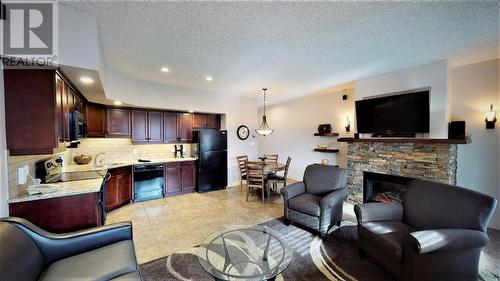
[335, 258]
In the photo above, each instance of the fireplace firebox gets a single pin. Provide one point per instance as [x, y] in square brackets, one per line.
[384, 188]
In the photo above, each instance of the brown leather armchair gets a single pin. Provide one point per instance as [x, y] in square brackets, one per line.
[436, 233]
[101, 253]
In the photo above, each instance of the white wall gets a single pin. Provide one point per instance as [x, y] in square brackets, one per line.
[432, 75]
[474, 88]
[4, 189]
[238, 110]
[79, 44]
[296, 121]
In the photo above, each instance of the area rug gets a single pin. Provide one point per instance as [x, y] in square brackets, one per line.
[334, 258]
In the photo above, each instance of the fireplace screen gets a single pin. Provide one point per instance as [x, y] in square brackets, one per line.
[383, 188]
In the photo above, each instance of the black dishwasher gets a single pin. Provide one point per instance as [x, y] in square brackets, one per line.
[148, 182]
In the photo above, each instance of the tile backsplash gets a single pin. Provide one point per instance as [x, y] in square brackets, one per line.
[123, 150]
[117, 150]
[15, 162]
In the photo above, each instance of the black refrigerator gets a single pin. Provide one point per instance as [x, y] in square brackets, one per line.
[211, 148]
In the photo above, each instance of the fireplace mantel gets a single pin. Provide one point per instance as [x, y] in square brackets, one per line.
[406, 140]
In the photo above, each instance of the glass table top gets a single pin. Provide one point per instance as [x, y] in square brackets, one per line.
[245, 252]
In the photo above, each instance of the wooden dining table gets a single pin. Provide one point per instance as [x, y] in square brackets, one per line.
[273, 167]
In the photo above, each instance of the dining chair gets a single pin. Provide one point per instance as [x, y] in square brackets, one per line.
[275, 178]
[271, 158]
[243, 169]
[255, 177]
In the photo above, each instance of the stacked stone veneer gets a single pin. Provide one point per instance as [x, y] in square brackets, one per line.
[436, 162]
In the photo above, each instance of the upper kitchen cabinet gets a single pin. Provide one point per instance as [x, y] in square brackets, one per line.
[96, 120]
[155, 126]
[118, 123]
[185, 127]
[37, 106]
[147, 126]
[209, 121]
[170, 133]
[178, 127]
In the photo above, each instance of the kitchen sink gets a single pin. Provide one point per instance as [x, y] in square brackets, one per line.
[111, 165]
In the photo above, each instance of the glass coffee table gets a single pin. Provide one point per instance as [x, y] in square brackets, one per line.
[245, 253]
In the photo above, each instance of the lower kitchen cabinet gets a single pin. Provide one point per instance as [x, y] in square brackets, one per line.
[180, 177]
[118, 191]
[61, 214]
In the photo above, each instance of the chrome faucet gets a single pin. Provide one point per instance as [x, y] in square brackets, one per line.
[99, 163]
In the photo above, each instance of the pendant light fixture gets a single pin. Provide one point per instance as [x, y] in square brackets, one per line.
[264, 129]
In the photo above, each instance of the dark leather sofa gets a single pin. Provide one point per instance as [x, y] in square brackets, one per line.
[317, 201]
[30, 253]
[437, 233]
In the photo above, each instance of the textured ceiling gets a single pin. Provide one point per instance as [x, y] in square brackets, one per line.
[292, 48]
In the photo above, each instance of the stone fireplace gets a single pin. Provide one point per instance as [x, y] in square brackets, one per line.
[429, 159]
[383, 188]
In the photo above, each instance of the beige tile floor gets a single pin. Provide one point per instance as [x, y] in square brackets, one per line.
[168, 225]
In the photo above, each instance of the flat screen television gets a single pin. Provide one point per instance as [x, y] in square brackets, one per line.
[402, 114]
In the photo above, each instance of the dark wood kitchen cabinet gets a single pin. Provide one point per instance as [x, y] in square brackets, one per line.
[61, 214]
[37, 107]
[180, 177]
[170, 133]
[118, 191]
[96, 120]
[178, 127]
[147, 126]
[188, 169]
[155, 126]
[173, 178]
[208, 121]
[185, 127]
[65, 110]
[118, 123]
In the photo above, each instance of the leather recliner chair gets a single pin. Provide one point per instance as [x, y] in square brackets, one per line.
[317, 201]
[436, 233]
[102, 253]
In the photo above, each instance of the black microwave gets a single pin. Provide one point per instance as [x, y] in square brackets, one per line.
[78, 126]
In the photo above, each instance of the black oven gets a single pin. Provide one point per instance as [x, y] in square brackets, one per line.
[78, 126]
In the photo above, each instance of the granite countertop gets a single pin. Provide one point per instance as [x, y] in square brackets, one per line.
[85, 186]
[66, 189]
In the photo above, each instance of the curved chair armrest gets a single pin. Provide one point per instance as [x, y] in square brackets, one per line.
[379, 212]
[333, 198]
[293, 190]
[440, 240]
[58, 246]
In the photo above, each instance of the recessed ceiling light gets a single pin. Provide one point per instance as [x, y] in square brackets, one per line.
[116, 102]
[164, 69]
[209, 78]
[191, 111]
[86, 80]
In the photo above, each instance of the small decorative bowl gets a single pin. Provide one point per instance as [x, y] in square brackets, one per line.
[323, 146]
[82, 159]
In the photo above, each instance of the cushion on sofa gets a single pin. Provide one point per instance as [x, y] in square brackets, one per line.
[386, 236]
[100, 264]
[306, 203]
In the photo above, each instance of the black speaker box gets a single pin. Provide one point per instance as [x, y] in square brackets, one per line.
[456, 130]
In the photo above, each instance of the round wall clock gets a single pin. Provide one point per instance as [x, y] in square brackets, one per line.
[243, 132]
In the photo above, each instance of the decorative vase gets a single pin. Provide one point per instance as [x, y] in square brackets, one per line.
[325, 128]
